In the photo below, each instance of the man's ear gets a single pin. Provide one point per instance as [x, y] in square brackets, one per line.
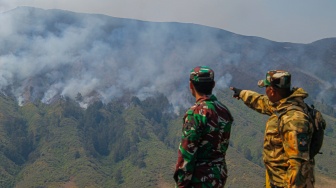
[191, 86]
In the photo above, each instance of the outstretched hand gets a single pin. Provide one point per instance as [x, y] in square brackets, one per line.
[236, 92]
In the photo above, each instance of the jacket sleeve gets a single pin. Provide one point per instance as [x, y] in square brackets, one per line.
[256, 101]
[187, 149]
[296, 139]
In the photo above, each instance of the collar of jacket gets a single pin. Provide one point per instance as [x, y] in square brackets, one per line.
[296, 98]
[206, 98]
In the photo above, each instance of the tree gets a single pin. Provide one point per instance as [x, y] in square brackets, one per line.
[79, 97]
[118, 177]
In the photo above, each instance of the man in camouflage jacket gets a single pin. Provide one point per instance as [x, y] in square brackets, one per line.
[205, 136]
[286, 143]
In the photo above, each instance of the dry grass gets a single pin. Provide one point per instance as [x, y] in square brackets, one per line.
[325, 182]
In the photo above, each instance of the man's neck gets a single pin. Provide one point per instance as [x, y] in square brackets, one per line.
[199, 95]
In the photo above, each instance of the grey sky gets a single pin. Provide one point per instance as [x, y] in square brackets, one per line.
[301, 21]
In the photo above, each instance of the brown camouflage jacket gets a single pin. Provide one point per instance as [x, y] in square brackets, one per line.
[286, 145]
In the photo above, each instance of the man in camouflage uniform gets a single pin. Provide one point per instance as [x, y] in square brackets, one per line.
[205, 136]
[286, 143]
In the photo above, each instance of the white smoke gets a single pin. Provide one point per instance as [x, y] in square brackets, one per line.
[50, 53]
[224, 81]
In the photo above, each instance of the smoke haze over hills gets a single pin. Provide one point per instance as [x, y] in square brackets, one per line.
[126, 141]
[47, 53]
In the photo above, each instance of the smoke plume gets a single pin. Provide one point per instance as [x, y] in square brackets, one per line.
[50, 53]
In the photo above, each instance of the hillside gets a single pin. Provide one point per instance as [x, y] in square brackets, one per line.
[96, 101]
[125, 143]
[48, 53]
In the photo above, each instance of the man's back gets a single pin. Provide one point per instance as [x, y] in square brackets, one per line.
[215, 128]
[205, 139]
[205, 135]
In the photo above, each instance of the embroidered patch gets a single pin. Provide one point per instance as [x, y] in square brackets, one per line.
[302, 139]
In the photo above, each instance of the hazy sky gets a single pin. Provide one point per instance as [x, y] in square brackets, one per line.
[301, 21]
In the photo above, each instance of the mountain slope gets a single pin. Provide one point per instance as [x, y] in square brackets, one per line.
[96, 101]
[47, 53]
[124, 146]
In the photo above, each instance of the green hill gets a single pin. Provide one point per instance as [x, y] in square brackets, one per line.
[125, 143]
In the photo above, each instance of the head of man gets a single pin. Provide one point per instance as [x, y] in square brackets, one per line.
[277, 83]
[201, 80]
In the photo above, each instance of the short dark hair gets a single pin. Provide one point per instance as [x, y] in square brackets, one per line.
[203, 87]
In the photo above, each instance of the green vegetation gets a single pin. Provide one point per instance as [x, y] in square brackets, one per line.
[124, 143]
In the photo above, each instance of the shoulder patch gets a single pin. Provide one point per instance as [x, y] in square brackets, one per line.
[302, 140]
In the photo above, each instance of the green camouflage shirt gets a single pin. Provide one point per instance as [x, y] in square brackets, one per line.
[205, 139]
